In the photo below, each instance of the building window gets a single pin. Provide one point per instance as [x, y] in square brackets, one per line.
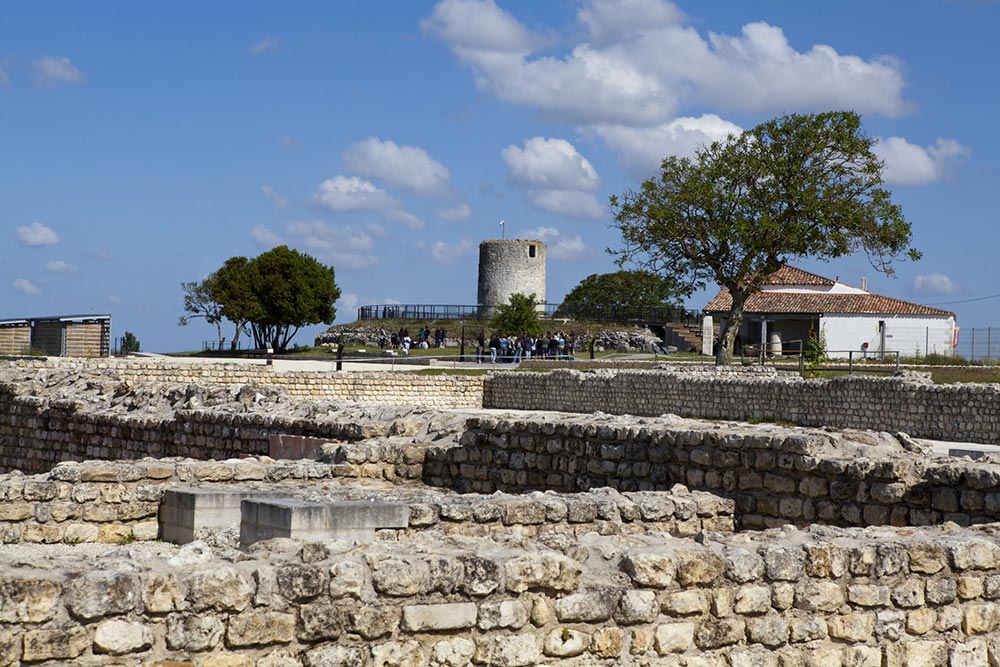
[531, 250]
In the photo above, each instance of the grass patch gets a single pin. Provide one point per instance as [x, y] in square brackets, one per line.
[965, 374]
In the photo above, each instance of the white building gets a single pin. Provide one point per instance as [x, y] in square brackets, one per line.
[796, 304]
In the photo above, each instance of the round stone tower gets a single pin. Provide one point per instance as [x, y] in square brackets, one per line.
[510, 266]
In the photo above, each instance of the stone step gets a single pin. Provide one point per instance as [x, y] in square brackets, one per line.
[186, 514]
[351, 521]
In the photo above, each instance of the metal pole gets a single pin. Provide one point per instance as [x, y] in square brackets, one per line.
[850, 362]
[927, 341]
[989, 351]
[972, 351]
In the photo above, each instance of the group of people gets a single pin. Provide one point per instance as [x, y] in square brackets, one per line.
[512, 349]
[403, 341]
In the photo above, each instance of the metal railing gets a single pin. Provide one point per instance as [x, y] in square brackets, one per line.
[794, 350]
[546, 310]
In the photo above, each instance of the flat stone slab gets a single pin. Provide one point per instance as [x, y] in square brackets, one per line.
[352, 521]
[186, 514]
[295, 447]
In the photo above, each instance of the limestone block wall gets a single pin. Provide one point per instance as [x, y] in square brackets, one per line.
[776, 477]
[885, 599]
[35, 433]
[967, 412]
[117, 502]
[385, 388]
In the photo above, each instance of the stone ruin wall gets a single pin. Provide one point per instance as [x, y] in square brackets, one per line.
[36, 432]
[966, 412]
[905, 593]
[825, 598]
[431, 391]
[776, 476]
[114, 502]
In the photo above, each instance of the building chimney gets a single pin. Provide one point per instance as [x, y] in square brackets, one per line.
[864, 283]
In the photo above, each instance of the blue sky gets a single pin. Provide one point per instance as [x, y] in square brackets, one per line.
[143, 145]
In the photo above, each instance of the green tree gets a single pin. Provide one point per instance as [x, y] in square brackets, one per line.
[130, 343]
[276, 293]
[517, 317]
[621, 289]
[231, 288]
[793, 187]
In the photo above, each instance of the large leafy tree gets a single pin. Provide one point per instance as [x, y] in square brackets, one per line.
[274, 294]
[518, 316]
[287, 290]
[793, 187]
[603, 292]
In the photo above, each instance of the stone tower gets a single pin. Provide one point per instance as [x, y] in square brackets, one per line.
[510, 266]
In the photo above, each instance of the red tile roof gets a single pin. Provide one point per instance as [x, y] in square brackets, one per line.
[789, 275]
[823, 303]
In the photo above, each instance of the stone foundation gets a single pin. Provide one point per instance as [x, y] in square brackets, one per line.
[879, 598]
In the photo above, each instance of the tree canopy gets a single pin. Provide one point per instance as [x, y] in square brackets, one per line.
[793, 187]
[274, 294]
[601, 292]
[517, 317]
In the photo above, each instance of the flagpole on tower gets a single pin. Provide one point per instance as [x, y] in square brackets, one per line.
[502, 232]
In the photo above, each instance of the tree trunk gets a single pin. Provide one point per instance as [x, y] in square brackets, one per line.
[727, 337]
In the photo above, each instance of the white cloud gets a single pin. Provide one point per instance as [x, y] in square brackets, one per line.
[266, 45]
[641, 64]
[59, 266]
[557, 246]
[479, 25]
[37, 234]
[376, 230]
[642, 149]
[617, 20]
[278, 200]
[551, 164]
[909, 164]
[344, 246]
[347, 301]
[572, 203]
[52, 71]
[115, 300]
[25, 286]
[451, 253]
[934, 284]
[289, 143]
[459, 213]
[558, 178]
[405, 218]
[351, 194]
[265, 237]
[408, 167]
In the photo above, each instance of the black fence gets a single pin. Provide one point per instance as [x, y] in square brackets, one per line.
[547, 310]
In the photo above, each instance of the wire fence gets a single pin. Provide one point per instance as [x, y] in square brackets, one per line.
[981, 344]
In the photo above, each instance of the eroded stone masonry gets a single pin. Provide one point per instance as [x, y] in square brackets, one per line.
[380, 520]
